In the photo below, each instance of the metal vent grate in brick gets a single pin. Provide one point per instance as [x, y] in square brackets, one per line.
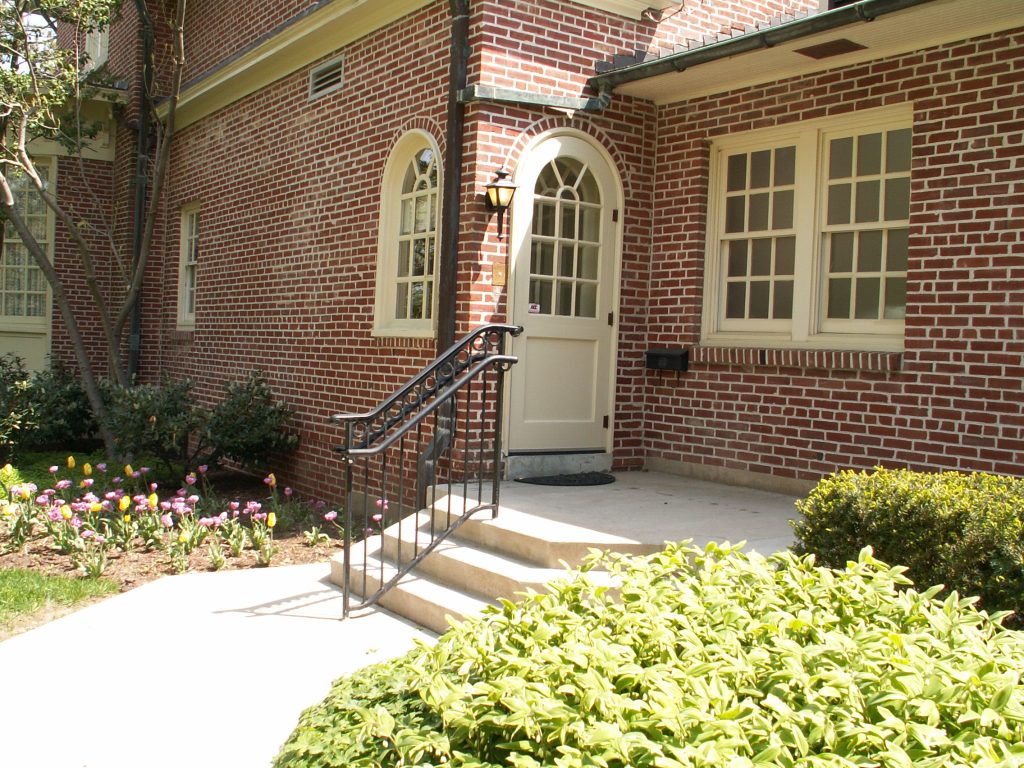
[326, 78]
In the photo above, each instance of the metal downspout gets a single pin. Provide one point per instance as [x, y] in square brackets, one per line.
[141, 179]
[451, 202]
[448, 267]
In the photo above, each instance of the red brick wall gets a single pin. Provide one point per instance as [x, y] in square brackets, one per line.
[218, 29]
[83, 191]
[956, 400]
[289, 191]
[289, 194]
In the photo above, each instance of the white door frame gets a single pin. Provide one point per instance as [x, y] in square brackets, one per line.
[528, 169]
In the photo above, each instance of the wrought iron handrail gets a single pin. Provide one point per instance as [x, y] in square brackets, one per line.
[447, 416]
[474, 346]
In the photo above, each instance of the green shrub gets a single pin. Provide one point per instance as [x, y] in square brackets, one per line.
[16, 414]
[247, 426]
[156, 422]
[964, 531]
[702, 658]
[164, 423]
[63, 416]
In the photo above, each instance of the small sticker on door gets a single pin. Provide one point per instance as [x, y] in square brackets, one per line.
[535, 309]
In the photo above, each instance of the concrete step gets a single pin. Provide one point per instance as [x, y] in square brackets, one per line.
[547, 543]
[465, 565]
[539, 464]
[485, 559]
[417, 597]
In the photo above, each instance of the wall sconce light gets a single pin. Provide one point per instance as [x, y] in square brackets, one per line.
[499, 197]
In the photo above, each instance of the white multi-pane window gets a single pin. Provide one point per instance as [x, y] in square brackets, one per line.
[407, 261]
[96, 48]
[24, 299]
[188, 267]
[808, 235]
[565, 240]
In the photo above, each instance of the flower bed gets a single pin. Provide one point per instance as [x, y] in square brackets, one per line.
[94, 520]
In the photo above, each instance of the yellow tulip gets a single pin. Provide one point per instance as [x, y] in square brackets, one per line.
[95, 507]
[71, 462]
[65, 512]
[128, 470]
[153, 500]
[124, 503]
[8, 469]
[87, 469]
[127, 518]
[182, 538]
[271, 520]
[271, 480]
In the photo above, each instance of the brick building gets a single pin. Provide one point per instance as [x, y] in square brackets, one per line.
[822, 206]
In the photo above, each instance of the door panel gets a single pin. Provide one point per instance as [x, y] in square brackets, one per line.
[564, 267]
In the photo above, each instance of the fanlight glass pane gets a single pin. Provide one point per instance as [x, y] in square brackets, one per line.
[544, 218]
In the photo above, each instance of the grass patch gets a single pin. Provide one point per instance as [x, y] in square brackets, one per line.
[34, 466]
[26, 592]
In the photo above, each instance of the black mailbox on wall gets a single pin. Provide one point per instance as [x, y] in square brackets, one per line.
[668, 359]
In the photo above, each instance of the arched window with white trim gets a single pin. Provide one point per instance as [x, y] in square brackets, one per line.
[408, 241]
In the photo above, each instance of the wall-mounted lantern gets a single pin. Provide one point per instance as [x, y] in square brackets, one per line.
[499, 197]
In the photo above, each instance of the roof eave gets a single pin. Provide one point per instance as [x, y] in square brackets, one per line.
[866, 10]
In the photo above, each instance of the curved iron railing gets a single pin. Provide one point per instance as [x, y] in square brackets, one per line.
[441, 428]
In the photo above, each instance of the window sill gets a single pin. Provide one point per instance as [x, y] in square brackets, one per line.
[820, 359]
[181, 335]
[403, 333]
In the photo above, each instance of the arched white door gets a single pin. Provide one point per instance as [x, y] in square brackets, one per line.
[565, 247]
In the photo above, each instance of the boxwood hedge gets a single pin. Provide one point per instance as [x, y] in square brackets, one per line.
[701, 658]
[963, 531]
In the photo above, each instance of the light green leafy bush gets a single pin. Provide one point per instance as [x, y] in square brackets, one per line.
[701, 658]
[963, 531]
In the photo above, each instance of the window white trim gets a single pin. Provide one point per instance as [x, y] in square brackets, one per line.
[386, 322]
[188, 267]
[97, 46]
[807, 327]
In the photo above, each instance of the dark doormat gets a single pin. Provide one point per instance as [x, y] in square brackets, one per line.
[581, 478]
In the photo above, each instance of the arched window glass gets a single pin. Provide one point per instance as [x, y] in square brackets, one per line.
[410, 201]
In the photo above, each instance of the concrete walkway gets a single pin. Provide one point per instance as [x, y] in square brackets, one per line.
[197, 670]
